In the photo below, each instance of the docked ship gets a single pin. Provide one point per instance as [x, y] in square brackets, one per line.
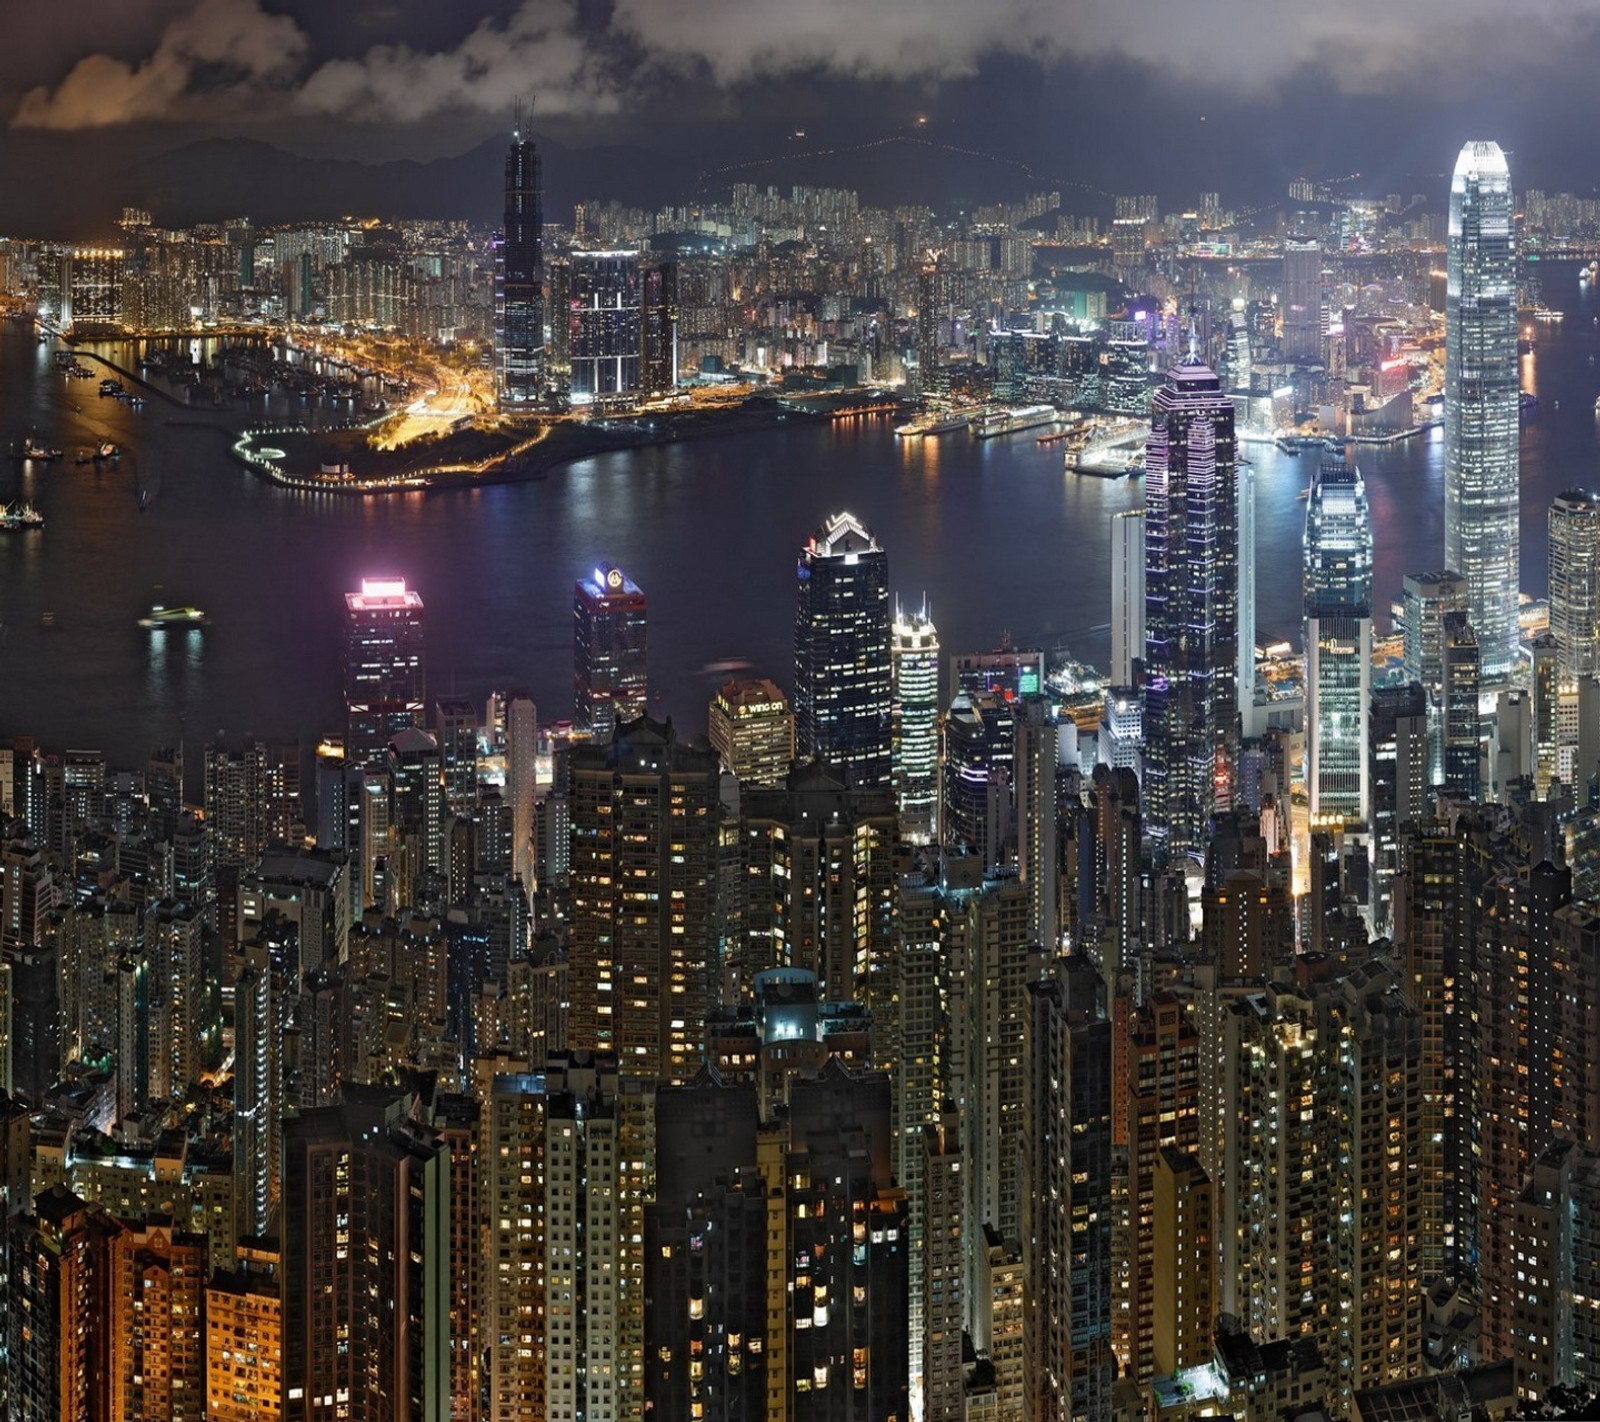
[160, 618]
[20, 518]
[942, 424]
[990, 423]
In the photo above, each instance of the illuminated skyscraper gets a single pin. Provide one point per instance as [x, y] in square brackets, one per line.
[604, 334]
[1338, 641]
[1575, 580]
[1191, 609]
[752, 729]
[1302, 301]
[608, 651]
[843, 690]
[1481, 396]
[519, 278]
[384, 667]
[1127, 594]
[660, 327]
[915, 658]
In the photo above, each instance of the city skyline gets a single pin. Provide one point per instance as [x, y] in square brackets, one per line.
[764, 798]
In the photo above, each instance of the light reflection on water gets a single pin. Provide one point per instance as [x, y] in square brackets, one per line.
[995, 533]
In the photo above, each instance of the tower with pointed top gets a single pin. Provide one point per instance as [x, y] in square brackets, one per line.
[843, 685]
[1481, 403]
[519, 277]
[1191, 609]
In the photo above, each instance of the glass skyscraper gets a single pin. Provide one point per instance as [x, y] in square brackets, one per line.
[1481, 395]
[915, 658]
[1575, 580]
[1191, 609]
[519, 278]
[385, 686]
[842, 678]
[1338, 639]
[604, 336]
[609, 682]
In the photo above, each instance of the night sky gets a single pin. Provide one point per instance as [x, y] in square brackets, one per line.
[1171, 96]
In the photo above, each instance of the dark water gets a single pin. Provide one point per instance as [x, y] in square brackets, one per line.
[994, 532]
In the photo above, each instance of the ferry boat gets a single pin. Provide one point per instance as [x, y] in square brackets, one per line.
[1003, 422]
[159, 618]
[31, 449]
[20, 518]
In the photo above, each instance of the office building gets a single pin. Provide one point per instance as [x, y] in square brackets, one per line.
[604, 336]
[609, 647]
[1337, 587]
[1246, 661]
[1425, 600]
[519, 279]
[1481, 403]
[843, 679]
[1575, 580]
[1461, 727]
[980, 747]
[1127, 595]
[643, 879]
[752, 729]
[1302, 301]
[914, 659]
[1191, 610]
[1397, 757]
[385, 666]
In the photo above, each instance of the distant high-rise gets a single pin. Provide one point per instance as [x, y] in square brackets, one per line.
[604, 334]
[1191, 609]
[608, 651]
[1127, 594]
[1575, 580]
[1463, 677]
[752, 729]
[659, 302]
[384, 667]
[930, 364]
[519, 278]
[1481, 399]
[914, 654]
[843, 693]
[1338, 642]
[1302, 301]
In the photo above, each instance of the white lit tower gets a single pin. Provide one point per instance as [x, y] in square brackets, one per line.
[914, 654]
[1481, 399]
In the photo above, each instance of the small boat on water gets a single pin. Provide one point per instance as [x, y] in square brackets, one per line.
[20, 518]
[108, 451]
[160, 618]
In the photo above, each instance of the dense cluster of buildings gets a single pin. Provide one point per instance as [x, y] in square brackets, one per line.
[928, 1039]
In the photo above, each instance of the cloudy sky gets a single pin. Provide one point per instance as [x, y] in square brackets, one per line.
[1154, 93]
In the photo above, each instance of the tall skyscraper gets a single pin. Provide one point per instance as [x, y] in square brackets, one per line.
[843, 685]
[1302, 301]
[608, 651]
[1338, 640]
[519, 278]
[1127, 594]
[660, 327]
[1481, 400]
[1191, 609]
[605, 337]
[1575, 580]
[385, 681]
[914, 656]
[1246, 659]
[644, 875]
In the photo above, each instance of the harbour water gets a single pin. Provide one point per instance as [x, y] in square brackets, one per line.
[997, 536]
